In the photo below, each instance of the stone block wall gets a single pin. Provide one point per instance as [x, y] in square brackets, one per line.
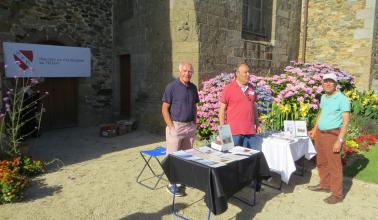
[85, 23]
[341, 33]
[222, 46]
[158, 36]
[208, 33]
[374, 58]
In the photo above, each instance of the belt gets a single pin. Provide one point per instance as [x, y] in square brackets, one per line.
[184, 122]
[330, 131]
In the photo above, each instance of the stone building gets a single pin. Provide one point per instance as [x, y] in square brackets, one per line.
[152, 37]
[137, 45]
[343, 33]
[85, 23]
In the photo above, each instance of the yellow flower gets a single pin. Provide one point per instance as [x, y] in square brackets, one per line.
[352, 143]
[366, 101]
[304, 108]
[285, 108]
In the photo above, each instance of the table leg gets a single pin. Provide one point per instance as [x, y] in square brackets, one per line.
[273, 187]
[173, 204]
[303, 167]
[245, 201]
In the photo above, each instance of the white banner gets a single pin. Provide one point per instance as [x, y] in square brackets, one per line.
[36, 60]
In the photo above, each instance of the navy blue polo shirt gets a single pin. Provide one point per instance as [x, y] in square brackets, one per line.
[182, 99]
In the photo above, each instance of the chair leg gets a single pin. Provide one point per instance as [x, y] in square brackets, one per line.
[254, 195]
[145, 165]
[160, 176]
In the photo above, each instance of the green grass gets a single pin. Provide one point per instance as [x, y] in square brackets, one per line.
[365, 167]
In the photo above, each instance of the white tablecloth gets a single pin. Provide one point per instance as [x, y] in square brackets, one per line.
[281, 154]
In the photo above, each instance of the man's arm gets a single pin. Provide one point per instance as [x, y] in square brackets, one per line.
[257, 122]
[343, 131]
[312, 133]
[166, 115]
[195, 113]
[222, 111]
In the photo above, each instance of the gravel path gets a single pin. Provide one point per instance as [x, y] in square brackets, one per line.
[98, 182]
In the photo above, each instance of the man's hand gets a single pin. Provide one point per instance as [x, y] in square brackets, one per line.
[259, 129]
[337, 147]
[312, 133]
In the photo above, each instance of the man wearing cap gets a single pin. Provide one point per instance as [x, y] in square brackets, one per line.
[238, 108]
[179, 112]
[329, 131]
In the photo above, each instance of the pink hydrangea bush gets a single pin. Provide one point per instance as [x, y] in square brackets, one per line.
[293, 94]
[297, 92]
[209, 95]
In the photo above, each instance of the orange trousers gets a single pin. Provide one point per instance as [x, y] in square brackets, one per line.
[329, 163]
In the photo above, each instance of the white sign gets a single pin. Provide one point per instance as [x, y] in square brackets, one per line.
[226, 137]
[35, 60]
[295, 128]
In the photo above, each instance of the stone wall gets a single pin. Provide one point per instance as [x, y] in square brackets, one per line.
[340, 33]
[222, 46]
[157, 37]
[85, 23]
[374, 59]
[208, 33]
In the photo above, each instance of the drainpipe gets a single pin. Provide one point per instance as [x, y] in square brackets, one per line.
[304, 36]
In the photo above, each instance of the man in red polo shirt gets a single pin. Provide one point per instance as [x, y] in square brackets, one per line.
[238, 104]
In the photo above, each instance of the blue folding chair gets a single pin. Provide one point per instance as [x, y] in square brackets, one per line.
[154, 153]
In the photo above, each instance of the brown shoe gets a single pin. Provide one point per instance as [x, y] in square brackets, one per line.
[333, 199]
[317, 188]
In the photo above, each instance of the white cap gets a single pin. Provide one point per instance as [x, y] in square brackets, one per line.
[330, 76]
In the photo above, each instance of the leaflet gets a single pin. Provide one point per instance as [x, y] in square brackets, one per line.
[239, 150]
[208, 156]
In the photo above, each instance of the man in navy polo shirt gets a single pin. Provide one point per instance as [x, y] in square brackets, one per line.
[179, 112]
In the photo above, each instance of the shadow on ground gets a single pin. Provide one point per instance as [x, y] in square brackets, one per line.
[167, 210]
[75, 145]
[39, 189]
[267, 193]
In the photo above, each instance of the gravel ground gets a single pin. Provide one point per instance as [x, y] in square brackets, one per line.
[97, 181]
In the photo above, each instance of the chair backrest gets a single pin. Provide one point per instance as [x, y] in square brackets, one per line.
[158, 151]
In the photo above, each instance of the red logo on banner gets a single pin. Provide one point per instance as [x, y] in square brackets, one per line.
[24, 58]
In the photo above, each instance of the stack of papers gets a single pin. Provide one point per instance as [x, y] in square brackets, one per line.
[208, 156]
[282, 137]
[238, 150]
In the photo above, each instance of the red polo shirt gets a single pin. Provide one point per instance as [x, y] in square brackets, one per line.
[240, 111]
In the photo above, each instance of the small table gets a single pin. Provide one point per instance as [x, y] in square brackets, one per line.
[282, 154]
[219, 183]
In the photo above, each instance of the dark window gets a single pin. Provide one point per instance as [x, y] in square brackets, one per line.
[257, 19]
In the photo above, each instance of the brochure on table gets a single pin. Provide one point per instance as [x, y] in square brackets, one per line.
[295, 128]
[209, 156]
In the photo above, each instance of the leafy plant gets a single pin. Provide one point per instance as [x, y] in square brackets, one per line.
[21, 108]
[12, 182]
[364, 103]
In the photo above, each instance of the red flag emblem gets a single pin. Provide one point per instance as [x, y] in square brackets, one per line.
[24, 58]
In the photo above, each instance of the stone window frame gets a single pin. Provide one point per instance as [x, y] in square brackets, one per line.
[265, 25]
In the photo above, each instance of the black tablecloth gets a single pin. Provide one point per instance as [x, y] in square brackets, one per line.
[219, 183]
